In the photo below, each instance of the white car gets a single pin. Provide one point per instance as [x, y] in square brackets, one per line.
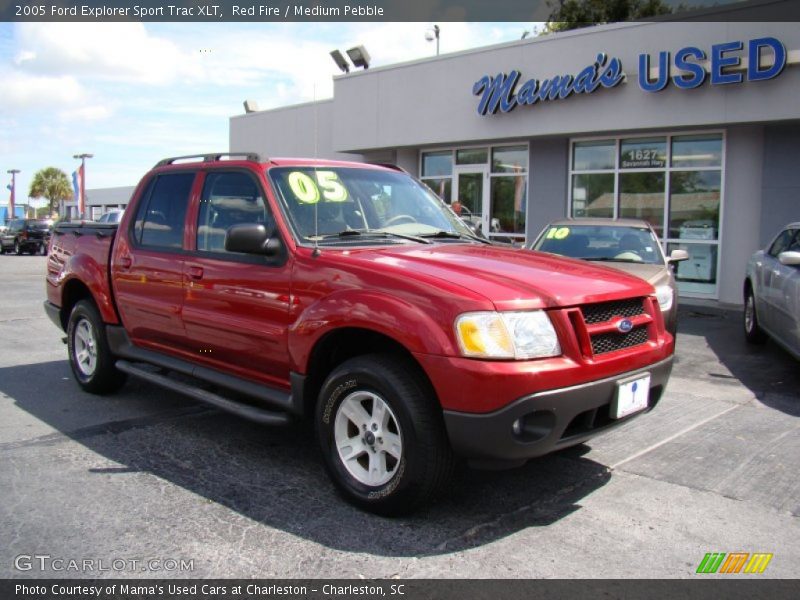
[113, 216]
[772, 292]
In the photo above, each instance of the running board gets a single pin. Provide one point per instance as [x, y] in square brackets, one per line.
[253, 413]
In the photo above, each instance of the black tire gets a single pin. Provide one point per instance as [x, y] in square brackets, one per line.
[425, 463]
[17, 248]
[752, 330]
[86, 335]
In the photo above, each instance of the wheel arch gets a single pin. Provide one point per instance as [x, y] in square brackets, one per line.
[339, 345]
[74, 291]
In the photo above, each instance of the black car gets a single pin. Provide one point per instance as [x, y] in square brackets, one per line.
[26, 235]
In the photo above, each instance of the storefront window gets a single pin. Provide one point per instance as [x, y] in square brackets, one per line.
[593, 195]
[509, 200]
[698, 275]
[697, 151]
[437, 164]
[643, 153]
[510, 159]
[668, 181]
[472, 156]
[641, 196]
[694, 205]
[593, 156]
[442, 187]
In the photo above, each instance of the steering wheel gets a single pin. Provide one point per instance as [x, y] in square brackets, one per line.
[398, 219]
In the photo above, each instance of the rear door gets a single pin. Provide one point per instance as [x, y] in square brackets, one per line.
[147, 269]
[236, 306]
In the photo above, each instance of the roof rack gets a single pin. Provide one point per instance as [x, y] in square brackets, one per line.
[391, 166]
[252, 156]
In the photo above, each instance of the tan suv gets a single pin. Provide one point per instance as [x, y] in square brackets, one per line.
[628, 245]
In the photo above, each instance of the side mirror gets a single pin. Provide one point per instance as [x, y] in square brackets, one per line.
[678, 256]
[789, 258]
[252, 238]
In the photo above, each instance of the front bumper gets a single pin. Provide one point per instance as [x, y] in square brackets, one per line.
[549, 420]
[54, 313]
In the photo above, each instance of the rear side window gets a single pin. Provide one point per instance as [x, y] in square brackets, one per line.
[160, 219]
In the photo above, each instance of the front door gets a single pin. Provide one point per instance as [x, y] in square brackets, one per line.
[470, 195]
[236, 306]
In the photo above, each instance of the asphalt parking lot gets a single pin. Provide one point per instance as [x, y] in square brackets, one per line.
[148, 475]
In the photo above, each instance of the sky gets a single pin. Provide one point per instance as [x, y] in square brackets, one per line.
[133, 93]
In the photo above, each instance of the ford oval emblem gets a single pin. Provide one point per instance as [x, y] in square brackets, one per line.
[625, 325]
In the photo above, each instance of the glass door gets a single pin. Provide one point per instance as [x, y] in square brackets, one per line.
[469, 196]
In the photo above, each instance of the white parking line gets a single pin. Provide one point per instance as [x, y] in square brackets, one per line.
[673, 436]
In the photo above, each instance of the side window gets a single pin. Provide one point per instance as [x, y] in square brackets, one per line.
[794, 245]
[229, 198]
[781, 243]
[160, 217]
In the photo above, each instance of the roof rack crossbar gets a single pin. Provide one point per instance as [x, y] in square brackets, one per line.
[392, 166]
[213, 157]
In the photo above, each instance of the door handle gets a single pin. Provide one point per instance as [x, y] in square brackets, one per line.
[125, 262]
[196, 272]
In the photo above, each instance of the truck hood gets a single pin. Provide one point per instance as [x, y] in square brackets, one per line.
[654, 274]
[512, 279]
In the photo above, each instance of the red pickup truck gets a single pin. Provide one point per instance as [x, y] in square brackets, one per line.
[351, 294]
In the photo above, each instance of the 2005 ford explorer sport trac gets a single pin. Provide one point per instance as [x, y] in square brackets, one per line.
[351, 294]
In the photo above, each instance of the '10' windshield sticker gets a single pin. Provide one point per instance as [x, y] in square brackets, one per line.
[308, 192]
[557, 233]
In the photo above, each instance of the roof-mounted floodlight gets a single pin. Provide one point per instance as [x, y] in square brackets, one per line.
[340, 61]
[250, 106]
[359, 56]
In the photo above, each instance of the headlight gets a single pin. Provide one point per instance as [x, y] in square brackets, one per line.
[518, 335]
[664, 296]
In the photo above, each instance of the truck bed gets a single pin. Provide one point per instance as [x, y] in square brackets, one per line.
[82, 251]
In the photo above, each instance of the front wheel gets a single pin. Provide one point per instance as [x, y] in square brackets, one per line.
[89, 356]
[382, 435]
[752, 330]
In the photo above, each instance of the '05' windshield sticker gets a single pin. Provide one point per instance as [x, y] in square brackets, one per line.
[308, 192]
[557, 233]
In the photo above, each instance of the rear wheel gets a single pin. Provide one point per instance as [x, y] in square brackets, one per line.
[752, 331]
[382, 435]
[89, 356]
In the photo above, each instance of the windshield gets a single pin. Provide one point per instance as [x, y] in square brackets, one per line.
[38, 225]
[612, 243]
[351, 205]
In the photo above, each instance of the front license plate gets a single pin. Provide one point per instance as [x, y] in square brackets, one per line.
[632, 396]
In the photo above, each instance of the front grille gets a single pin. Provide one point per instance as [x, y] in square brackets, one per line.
[608, 342]
[605, 311]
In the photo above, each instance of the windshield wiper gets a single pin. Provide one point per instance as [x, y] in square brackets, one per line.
[454, 235]
[370, 234]
[609, 259]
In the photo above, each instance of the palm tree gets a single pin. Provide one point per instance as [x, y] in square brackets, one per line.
[53, 184]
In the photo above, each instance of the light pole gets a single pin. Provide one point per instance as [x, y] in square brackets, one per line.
[433, 34]
[82, 188]
[13, 172]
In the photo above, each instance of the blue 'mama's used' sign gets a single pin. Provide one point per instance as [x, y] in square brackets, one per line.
[500, 93]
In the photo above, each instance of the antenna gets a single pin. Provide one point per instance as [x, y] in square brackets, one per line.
[316, 251]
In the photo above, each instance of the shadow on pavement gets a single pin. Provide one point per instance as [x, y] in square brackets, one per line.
[768, 371]
[275, 475]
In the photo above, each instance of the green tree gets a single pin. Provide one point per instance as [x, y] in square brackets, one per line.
[53, 184]
[574, 14]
